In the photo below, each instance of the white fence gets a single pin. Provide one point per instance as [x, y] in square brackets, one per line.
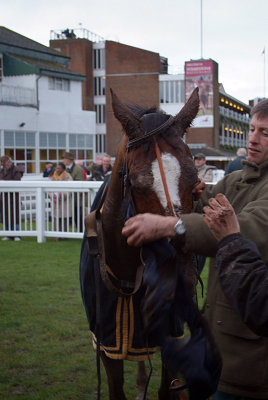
[44, 208]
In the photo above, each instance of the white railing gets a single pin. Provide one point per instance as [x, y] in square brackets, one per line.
[44, 208]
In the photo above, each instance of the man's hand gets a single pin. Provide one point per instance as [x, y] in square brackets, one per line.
[147, 227]
[220, 217]
[198, 189]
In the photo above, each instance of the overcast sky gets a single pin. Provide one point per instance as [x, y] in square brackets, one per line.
[235, 32]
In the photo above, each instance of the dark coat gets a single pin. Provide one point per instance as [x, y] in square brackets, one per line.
[245, 354]
[48, 172]
[234, 165]
[244, 279]
[7, 201]
[99, 175]
[76, 172]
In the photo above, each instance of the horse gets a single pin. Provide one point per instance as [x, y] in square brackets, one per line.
[153, 172]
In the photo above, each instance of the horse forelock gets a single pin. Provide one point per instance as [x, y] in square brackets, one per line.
[139, 111]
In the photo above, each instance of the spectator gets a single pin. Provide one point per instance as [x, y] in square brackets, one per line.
[49, 169]
[85, 172]
[205, 172]
[242, 273]
[62, 204]
[244, 354]
[91, 166]
[74, 170]
[236, 164]
[76, 173]
[10, 202]
[102, 170]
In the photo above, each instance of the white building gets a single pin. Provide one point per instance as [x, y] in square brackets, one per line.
[41, 113]
[171, 93]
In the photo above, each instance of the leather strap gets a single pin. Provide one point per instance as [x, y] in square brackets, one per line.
[146, 135]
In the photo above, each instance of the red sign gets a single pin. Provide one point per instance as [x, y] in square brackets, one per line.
[200, 74]
[194, 68]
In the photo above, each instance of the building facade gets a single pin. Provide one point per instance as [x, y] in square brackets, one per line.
[41, 113]
[132, 73]
[58, 98]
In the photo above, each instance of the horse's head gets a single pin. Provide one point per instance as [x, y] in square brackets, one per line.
[171, 174]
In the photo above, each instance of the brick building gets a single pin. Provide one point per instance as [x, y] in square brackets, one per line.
[131, 72]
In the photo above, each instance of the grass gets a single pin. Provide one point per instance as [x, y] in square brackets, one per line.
[46, 350]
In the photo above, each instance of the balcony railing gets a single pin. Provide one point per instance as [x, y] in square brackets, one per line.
[15, 95]
[233, 114]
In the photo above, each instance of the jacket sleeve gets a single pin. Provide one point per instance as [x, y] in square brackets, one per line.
[244, 280]
[17, 174]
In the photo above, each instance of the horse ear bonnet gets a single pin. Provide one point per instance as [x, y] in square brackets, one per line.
[129, 121]
[189, 111]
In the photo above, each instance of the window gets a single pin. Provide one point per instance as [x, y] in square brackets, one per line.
[1, 68]
[81, 146]
[100, 113]
[20, 146]
[59, 84]
[52, 147]
[171, 91]
[99, 86]
[99, 58]
[100, 143]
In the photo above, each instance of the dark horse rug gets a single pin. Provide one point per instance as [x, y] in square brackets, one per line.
[132, 328]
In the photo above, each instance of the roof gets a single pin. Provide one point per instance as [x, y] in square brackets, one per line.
[25, 56]
[14, 39]
[48, 67]
[223, 93]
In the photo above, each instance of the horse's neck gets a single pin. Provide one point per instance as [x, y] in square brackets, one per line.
[121, 258]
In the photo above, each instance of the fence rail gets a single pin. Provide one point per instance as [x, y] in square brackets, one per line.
[44, 208]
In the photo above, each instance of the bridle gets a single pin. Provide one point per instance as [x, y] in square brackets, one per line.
[139, 140]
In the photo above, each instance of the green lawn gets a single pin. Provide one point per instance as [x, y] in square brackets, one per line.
[46, 350]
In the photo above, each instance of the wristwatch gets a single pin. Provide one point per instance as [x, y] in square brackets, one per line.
[179, 227]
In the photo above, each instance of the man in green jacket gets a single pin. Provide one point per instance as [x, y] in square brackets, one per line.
[245, 354]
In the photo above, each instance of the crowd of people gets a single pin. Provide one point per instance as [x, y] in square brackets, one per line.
[91, 171]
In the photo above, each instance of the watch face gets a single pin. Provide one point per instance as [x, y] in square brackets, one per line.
[179, 227]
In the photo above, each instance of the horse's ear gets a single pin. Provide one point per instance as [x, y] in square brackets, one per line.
[189, 111]
[129, 121]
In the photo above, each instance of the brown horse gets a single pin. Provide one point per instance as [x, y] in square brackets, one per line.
[153, 172]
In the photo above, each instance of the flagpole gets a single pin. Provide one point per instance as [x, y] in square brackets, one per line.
[264, 83]
[201, 28]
